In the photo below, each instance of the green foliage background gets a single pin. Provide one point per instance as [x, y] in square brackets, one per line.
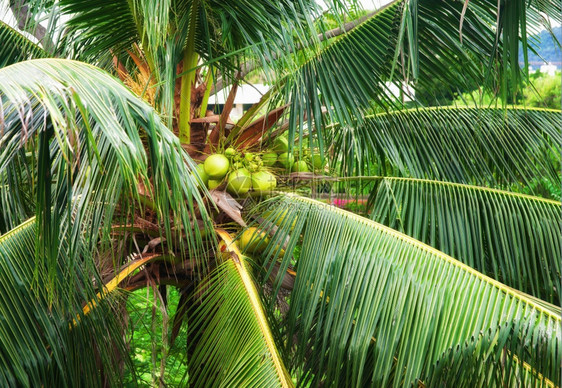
[142, 337]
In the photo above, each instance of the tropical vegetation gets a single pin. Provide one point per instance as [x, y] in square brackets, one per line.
[118, 178]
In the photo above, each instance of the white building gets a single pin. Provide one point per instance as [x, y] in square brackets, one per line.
[249, 94]
[246, 96]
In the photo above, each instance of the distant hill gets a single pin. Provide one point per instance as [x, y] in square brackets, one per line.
[545, 47]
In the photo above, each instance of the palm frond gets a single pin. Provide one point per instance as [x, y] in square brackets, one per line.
[457, 43]
[372, 306]
[175, 36]
[94, 141]
[18, 202]
[463, 145]
[38, 342]
[113, 284]
[221, 28]
[16, 47]
[236, 346]
[346, 75]
[511, 237]
[107, 25]
[407, 43]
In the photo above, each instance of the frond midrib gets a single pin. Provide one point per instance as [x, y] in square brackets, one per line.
[284, 377]
[16, 230]
[460, 185]
[450, 107]
[444, 257]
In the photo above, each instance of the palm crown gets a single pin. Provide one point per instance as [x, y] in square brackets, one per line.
[451, 278]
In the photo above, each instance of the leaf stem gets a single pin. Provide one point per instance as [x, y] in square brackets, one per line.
[190, 59]
[238, 260]
[207, 94]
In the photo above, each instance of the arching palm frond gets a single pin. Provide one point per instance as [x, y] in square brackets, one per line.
[92, 142]
[458, 43]
[110, 23]
[372, 306]
[235, 346]
[408, 43]
[511, 237]
[346, 75]
[42, 343]
[173, 37]
[16, 47]
[464, 145]
[219, 27]
[95, 138]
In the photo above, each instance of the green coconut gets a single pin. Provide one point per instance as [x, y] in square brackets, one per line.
[239, 182]
[286, 160]
[202, 174]
[252, 240]
[300, 166]
[281, 144]
[279, 217]
[216, 166]
[230, 152]
[269, 159]
[214, 183]
[318, 161]
[263, 181]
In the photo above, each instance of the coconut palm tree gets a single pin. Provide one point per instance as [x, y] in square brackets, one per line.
[452, 278]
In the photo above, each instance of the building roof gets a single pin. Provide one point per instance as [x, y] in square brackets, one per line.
[252, 93]
[246, 94]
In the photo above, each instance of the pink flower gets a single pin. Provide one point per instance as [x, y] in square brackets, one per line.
[343, 202]
[340, 202]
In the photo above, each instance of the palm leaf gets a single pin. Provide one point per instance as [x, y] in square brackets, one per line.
[236, 346]
[409, 42]
[464, 145]
[16, 47]
[91, 142]
[511, 237]
[453, 37]
[18, 203]
[251, 28]
[88, 129]
[371, 306]
[176, 35]
[346, 75]
[39, 346]
[110, 24]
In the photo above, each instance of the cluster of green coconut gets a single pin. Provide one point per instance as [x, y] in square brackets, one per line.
[303, 163]
[242, 172]
[246, 172]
